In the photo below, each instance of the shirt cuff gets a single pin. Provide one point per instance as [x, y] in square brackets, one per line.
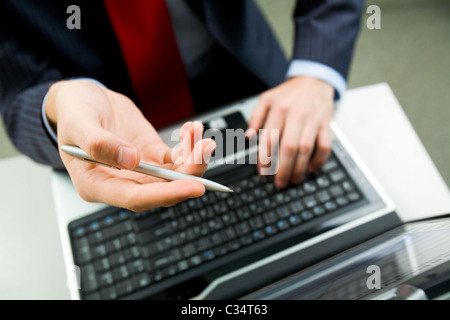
[320, 71]
[47, 125]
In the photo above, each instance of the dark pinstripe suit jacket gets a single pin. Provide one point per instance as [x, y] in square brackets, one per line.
[37, 49]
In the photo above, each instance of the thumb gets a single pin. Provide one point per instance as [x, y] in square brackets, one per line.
[106, 147]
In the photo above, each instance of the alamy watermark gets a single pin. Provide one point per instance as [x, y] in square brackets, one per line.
[374, 280]
[233, 146]
[74, 20]
[373, 22]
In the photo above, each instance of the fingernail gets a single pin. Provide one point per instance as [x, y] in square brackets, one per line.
[210, 148]
[126, 157]
[208, 152]
[250, 133]
[280, 183]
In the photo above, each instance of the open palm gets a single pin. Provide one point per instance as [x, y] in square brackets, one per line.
[112, 130]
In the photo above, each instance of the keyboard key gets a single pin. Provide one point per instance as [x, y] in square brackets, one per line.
[195, 260]
[296, 206]
[310, 201]
[202, 244]
[136, 266]
[102, 264]
[229, 233]
[307, 215]
[99, 251]
[105, 279]
[337, 175]
[234, 245]
[269, 217]
[353, 196]
[188, 250]
[116, 244]
[108, 220]
[258, 235]
[341, 201]
[256, 223]
[246, 240]
[208, 255]
[329, 165]
[123, 214]
[97, 237]
[268, 204]
[126, 287]
[348, 186]
[309, 187]
[93, 296]
[208, 198]
[283, 212]
[318, 210]
[336, 191]
[282, 225]
[234, 202]
[142, 280]
[183, 265]
[121, 273]
[130, 238]
[257, 208]
[118, 258]
[109, 293]
[294, 220]
[94, 226]
[119, 229]
[330, 205]
[155, 233]
[164, 259]
[243, 228]
[150, 220]
[79, 232]
[243, 213]
[83, 249]
[323, 182]
[270, 230]
[88, 278]
[217, 239]
[323, 196]
[221, 250]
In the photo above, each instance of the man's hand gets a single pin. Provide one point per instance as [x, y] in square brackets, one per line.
[111, 129]
[301, 108]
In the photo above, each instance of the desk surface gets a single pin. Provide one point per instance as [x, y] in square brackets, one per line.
[31, 259]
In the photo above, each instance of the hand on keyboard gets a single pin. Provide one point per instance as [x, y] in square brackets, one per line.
[300, 109]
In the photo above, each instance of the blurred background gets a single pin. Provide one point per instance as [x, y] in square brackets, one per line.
[410, 52]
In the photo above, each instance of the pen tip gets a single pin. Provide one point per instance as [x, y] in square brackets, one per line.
[230, 190]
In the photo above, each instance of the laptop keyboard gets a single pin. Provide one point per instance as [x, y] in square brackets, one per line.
[120, 252]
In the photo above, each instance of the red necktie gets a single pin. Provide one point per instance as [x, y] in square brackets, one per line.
[146, 38]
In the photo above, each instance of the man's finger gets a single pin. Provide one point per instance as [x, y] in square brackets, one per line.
[198, 160]
[306, 147]
[323, 149]
[258, 115]
[269, 139]
[289, 148]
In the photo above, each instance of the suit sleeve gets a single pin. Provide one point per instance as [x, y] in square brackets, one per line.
[325, 32]
[25, 80]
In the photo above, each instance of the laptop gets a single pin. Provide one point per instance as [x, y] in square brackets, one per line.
[409, 262]
[221, 245]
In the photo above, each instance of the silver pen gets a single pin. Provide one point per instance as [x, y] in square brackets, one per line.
[151, 170]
